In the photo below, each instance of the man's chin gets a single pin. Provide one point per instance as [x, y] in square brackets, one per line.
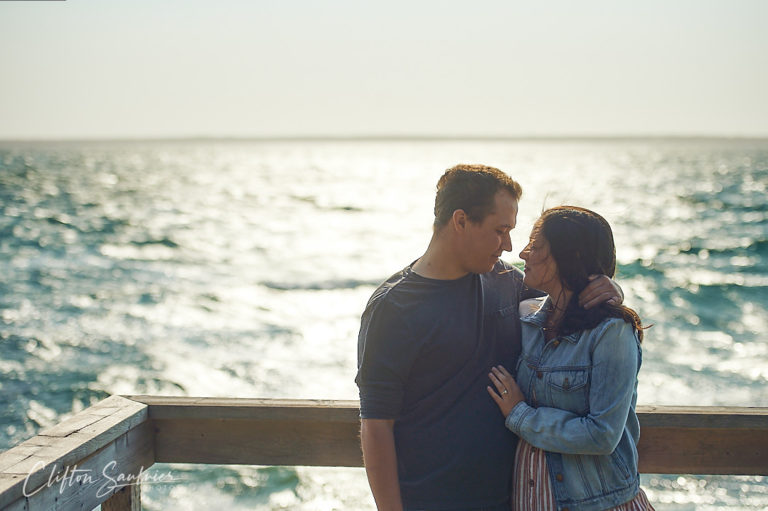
[485, 269]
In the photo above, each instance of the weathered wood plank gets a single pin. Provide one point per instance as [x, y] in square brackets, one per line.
[89, 482]
[66, 451]
[126, 499]
[23, 451]
[164, 407]
[17, 455]
[701, 417]
[92, 414]
[239, 408]
[44, 456]
[19, 505]
[89, 422]
[258, 442]
[697, 440]
[8, 480]
[703, 451]
[92, 425]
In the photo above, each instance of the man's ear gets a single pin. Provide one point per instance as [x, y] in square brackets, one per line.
[459, 220]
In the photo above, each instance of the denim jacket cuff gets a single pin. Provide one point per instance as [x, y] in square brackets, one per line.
[514, 420]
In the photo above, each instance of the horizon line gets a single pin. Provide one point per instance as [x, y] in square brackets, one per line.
[386, 137]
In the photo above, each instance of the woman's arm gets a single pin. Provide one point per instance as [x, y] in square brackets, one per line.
[601, 289]
[612, 385]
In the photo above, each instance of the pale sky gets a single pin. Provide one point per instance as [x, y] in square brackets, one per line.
[218, 68]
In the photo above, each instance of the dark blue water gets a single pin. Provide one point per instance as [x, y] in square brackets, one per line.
[220, 268]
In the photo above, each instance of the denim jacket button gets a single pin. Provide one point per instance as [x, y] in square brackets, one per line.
[559, 477]
[539, 374]
[556, 344]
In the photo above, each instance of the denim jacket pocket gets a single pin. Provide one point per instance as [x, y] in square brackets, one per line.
[620, 465]
[568, 390]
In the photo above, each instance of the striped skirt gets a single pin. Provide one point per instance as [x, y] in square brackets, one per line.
[531, 489]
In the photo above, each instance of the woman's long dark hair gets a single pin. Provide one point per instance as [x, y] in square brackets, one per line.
[581, 244]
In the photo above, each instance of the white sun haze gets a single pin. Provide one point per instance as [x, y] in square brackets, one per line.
[96, 69]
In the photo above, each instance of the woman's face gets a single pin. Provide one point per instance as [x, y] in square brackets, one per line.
[540, 268]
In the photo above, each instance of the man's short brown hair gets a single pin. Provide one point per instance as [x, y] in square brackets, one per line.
[472, 188]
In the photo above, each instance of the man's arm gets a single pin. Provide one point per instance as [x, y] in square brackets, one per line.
[378, 442]
[601, 289]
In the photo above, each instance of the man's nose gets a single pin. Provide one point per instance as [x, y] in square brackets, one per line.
[506, 243]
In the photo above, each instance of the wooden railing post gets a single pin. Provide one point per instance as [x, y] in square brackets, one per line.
[127, 499]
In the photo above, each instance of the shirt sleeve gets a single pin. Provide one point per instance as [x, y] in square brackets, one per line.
[613, 384]
[387, 349]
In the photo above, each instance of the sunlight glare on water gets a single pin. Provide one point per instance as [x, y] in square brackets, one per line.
[241, 268]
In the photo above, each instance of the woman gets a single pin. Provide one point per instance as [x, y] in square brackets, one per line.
[573, 401]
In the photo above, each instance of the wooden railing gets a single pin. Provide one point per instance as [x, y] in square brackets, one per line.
[97, 456]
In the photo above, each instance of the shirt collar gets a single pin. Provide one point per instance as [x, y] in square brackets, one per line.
[539, 318]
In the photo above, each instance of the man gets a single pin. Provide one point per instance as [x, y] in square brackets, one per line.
[431, 435]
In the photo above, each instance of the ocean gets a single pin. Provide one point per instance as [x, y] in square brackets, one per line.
[240, 268]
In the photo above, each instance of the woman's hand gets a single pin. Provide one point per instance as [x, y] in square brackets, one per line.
[508, 394]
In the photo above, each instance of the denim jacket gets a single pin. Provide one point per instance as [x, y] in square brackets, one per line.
[581, 391]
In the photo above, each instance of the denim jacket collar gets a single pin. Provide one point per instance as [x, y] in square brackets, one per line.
[539, 318]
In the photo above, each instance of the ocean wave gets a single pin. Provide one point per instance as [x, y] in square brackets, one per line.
[146, 250]
[326, 207]
[166, 242]
[706, 278]
[324, 285]
[697, 245]
[13, 345]
[639, 268]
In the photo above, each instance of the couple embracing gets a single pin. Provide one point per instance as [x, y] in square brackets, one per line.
[458, 336]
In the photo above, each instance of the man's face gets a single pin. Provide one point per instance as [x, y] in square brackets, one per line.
[484, 242]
